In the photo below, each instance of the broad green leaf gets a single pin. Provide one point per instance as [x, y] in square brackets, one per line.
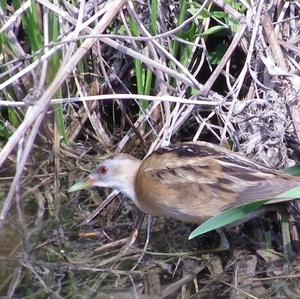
[292, 193]
[226, 217]
[237, 213]
[294, 170]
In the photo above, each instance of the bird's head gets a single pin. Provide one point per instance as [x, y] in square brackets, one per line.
[117, 172]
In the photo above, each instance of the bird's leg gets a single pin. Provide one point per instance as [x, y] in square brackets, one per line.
[224, 243]
[136, 230]
[285, 230]
[149, 220]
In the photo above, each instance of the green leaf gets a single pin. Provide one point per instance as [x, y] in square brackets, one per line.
[203, 15]
[226, 217]
[5, 132]
[216, 55]
[237, 213]
[139, 69]
[213, 30]
[181, 17]
[59, 120]
[219, 14]
[294, 170]
[290, 194]
[31, 23]
[13, 118]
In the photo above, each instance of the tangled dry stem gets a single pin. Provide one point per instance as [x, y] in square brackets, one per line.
[259, 112]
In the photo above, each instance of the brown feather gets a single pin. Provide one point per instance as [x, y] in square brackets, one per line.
[194, 181]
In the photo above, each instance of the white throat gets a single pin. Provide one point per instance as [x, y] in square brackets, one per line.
[128, 190]
[125, 181]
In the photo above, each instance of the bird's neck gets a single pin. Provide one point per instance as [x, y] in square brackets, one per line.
[126, 183]
[127, 188]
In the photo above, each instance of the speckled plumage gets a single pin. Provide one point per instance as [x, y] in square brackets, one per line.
[191, 181]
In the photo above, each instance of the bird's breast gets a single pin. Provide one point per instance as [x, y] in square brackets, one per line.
[164, 193]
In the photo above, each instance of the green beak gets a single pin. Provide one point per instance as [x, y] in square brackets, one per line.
[81, 185]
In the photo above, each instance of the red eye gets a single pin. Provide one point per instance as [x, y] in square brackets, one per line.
[103, 170]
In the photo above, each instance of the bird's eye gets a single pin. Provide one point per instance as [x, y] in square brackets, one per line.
[103, 170]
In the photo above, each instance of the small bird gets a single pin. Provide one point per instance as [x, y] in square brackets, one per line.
[190, 181]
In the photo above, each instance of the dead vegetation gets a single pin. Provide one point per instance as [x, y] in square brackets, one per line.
[114, 80]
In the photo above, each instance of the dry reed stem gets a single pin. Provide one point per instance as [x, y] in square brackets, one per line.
[270, 63]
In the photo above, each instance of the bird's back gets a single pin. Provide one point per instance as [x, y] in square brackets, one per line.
[197, 180]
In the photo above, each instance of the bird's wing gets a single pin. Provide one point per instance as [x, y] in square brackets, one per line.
[215, 170]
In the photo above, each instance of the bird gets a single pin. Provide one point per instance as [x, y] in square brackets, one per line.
[189, 181]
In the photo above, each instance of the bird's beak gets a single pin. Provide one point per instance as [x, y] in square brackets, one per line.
[82, 185]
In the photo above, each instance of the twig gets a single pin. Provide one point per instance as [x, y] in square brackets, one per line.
[44, 101]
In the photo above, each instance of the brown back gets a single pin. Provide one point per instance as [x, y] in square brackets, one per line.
[194, 181]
